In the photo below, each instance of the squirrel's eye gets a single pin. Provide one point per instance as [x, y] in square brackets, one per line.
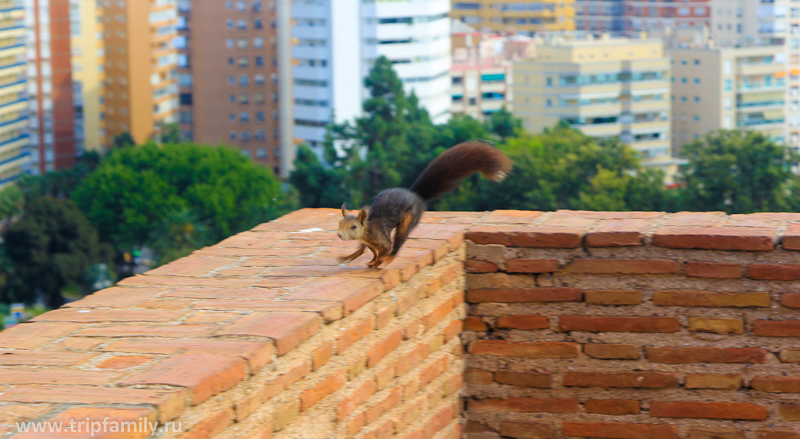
[354, 227]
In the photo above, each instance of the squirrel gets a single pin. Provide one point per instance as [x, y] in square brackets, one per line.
[401, 209]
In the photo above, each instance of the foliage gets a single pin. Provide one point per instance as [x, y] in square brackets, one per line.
[122, 140]
[49, 248]
[318, 185]
[135, 188]
[11, 201]
[504, 124]
[738, 172]
[61, 183]
[169, 133]
[178, 233]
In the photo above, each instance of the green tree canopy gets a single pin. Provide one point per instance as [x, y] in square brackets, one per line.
[738, 172]
[49, 248]
[11, 201]
[134, 188]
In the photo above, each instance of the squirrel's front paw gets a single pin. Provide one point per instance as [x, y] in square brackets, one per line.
[343, 259]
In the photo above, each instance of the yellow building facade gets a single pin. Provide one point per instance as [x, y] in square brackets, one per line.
[527, 17]
[15, 158]
[87, 73]
[605, 87]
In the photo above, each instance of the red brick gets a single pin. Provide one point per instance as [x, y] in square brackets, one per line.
[714, 270]
[512, 216]
[175, 281]
[168, 330]
[616, 407]
[440, 420]
[711, 299]
[322, 389]
[94, 417]
[613, 297]
[169, 403]
[523, 322]
[618, 233]
[514, 404]
[774, 271]
[708, 410]
[621, 379]
[619, 324]
[529, 350]
[354, 333]
[411, 359]
[108, 315]
[474, 324]
[713, 381]
[21, 412]
[538, 237]
[383, 348]
[321, 355]
[697, 354]
[611, 351]
[622, 266]
[431, 319]
[57, 376]
[718, 326]
[433, 370]
[116, 297]
[619, 430]
[791, 238]
[777, 328]
[257, 354]
[329, 311]
[476, 266]
[386, 403]
[526, 265]
[124, 362]
[246, 406]
[48, 358]
[590, 214]
[478, 377]
[527, 429]
[716, 238]
[360, 395]
[790, 300]
[790, 355]
[210, 426]
[286, 329]
[454, 329]
[776, 384]
[218, 374]
[384, 316]
[778, 434]
[714, 433]
[352, 292]
[555, 294]
[789, 412]
[523, 379]
[294, 374]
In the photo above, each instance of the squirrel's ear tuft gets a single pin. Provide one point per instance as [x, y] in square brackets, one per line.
[344, 210]
[362, 216]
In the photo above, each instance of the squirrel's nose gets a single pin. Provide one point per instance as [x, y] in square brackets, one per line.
[339, 234]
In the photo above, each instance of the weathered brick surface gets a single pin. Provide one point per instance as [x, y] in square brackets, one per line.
[578, 324]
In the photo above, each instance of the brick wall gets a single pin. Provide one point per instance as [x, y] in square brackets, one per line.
[614, 325]
[574, 324]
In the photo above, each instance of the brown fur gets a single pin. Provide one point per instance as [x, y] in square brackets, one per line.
[401, 209]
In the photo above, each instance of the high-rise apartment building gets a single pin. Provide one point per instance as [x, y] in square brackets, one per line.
[87, 74]
[624, 16]
[729, 88]
[526, 17]
[49, 57]
[15, 157]
[229, 76]
[140, 66]
[336, 46]
[605, 87]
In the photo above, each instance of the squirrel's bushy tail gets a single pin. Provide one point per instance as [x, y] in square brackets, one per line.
[457, 163]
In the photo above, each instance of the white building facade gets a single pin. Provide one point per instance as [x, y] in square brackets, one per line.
[334, 49]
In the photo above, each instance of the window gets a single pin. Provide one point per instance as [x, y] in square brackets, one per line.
[242, 43]
[244, 99]
[258, 23]
[259, 61]
[245, 152]
[258, 42]
[261, 117]
[683, 80]
[683, 11]
[696, 80]
[229, 24]
[257, 6]
[728, 84]
[233, 135]
[244, 117]
[229, 4]
[243, 61]
[683, 62]
[241, 24]
[232, 117]
[229, 43]
[549, 102]
[241, 6]
[258, 79]
[683, 98]
[549, 82]
[243, 80]
[231, 80]
[697, 99]
[230, 61]
[697, 118]
[245, 138]
[697, 62]
[231, 98]
[259, 98]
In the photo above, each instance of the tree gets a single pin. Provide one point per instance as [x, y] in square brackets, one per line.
[133, 189]
[565, 169]
[179, 233]
[122, 140]
[738, 172]
[61, 183]
[49, 249]
[169, 133]
[504, 124]
[11, 201]
[318, 185]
